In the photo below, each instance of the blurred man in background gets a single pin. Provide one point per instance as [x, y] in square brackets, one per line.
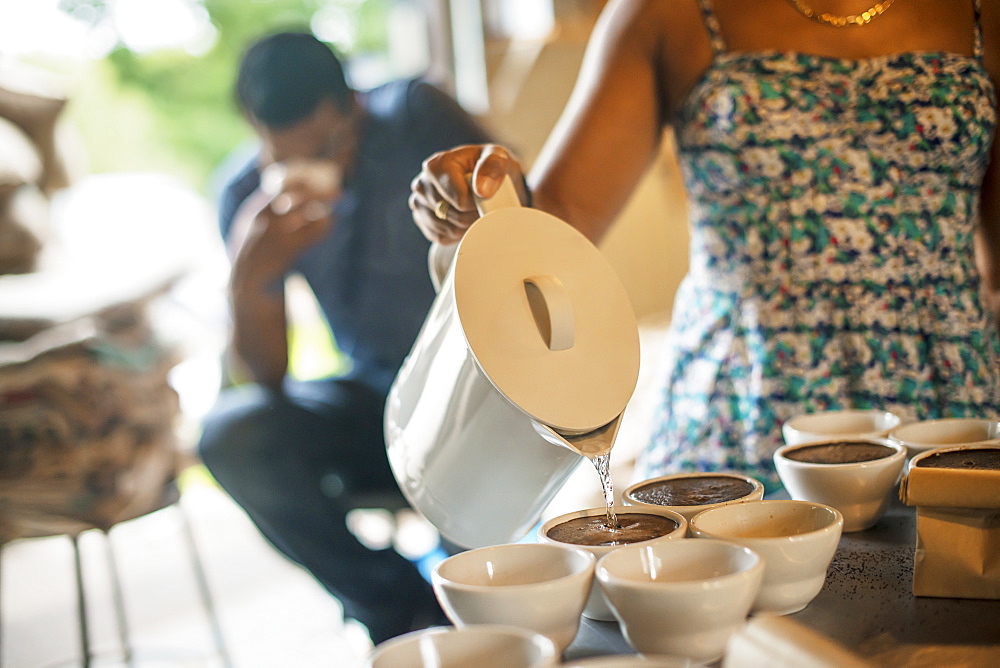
[326, 198]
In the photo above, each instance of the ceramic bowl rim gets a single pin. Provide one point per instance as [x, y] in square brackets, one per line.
[547, 648]
[836, 525]
[978, 445]
[894, 417]
[758, 487]
[662, 511]
[925, 445]
[584, 570]
[604, 575]
[899, 454]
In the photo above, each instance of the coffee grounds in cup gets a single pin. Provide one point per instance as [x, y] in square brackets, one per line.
[842, 452]
[971, 458]
[692, 491]
[595, 530]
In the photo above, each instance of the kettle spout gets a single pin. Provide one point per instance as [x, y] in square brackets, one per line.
[589, 444]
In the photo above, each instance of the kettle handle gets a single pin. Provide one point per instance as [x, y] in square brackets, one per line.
[505, 197]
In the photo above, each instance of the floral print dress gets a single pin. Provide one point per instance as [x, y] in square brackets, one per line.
[832, 209]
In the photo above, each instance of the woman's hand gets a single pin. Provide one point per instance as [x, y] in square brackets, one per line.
[442, 197]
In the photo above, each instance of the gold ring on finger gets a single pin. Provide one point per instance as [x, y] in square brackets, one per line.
[441, 210]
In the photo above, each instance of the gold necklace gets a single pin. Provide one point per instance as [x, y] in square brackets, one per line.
[862, 19]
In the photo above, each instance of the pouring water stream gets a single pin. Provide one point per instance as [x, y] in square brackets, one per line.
[596, 446]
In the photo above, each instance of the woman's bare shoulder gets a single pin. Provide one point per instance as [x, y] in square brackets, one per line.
[655, 20]
[669, 34]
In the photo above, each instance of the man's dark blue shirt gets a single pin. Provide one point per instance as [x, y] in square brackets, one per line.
[370, 273]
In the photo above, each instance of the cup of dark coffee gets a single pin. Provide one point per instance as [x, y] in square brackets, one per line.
[589, 529]
[855, 476]
[840, 452]
[965, 458]
[690, 493]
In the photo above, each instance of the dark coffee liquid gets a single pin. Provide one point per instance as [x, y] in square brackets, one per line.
[844, 452]
[987, 459]
[693, 491]
[595, 530]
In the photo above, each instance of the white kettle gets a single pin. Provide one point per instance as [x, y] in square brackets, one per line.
[523, 367]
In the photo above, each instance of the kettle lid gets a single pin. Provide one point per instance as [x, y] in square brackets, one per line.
[547, 319]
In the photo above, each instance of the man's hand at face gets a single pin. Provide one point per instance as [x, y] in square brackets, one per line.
[290, 213]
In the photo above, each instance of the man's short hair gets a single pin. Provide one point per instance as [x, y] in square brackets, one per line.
[283, 77]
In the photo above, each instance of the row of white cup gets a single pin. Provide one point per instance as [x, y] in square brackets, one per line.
[862, 491]
[677, 600]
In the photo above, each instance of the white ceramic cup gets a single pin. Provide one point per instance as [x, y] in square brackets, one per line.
[630, 498]
[861, 491]
[539, 586]
[926, 435]
[681, 598]
[796, 539]
[597, 606]
[480, 646]
[847, 423]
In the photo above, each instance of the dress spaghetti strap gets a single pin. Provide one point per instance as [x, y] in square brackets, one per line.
[978, 44]
[712, 26]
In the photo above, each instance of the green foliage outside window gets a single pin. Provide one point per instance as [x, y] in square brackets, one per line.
[172, 111]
